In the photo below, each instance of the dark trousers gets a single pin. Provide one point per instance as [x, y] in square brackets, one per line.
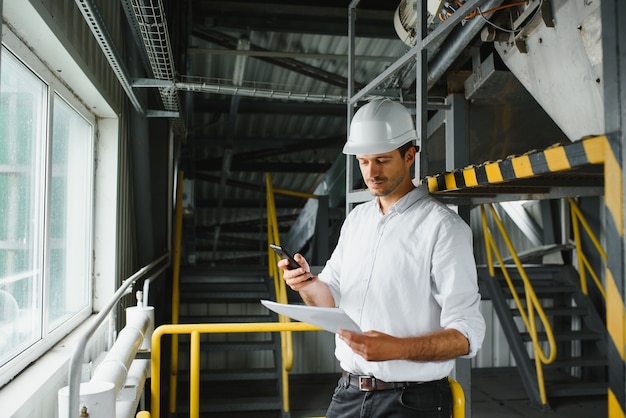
[427, 400]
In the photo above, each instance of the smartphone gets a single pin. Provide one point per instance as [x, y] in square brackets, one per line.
[282, 253]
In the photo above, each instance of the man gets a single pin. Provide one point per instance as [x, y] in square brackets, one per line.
[404, 271]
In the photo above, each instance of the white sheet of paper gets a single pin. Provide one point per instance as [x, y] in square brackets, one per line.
[330, 319]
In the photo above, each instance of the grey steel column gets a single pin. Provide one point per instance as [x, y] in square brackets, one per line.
[457, 155]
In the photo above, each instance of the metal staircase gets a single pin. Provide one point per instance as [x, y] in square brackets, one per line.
[580, 334]
[240, 373]
[554, 331]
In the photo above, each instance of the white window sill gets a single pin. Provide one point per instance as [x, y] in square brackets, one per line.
[33, 392]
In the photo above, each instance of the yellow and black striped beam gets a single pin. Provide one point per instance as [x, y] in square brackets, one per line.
[534, 163]
[615, 312]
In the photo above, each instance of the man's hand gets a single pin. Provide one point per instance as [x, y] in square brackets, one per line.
[314, 292]
[373, 345]
[296, 278]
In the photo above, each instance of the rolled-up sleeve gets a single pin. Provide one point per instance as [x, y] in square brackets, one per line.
[455, 283]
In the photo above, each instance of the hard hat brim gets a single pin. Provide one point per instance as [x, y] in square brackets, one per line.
[351, 148]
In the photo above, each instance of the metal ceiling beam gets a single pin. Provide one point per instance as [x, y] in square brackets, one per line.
[271, 107]
[262, 167]
[326, 18]
[296, 66]
[304, 144]
[287, 54]
[203, 141]
[280, 203]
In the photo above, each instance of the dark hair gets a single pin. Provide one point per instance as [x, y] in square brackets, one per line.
[405, 148]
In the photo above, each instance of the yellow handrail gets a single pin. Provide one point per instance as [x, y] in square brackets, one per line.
[583, 261]
[286, 341]
[178, 228]
[532, 302]
[194, 330]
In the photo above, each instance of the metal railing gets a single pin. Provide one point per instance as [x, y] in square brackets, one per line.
[533, 306]
[78, 354]
[584, 265]
[195, 330]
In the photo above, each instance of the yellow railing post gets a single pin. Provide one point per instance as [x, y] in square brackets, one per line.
[286, 342]
[280, 287]
[532, 302]
[583, 262]
[178, 228]
[458, 399]
[194, 375]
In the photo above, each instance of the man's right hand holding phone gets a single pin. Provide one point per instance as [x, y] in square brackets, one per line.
[296, 278]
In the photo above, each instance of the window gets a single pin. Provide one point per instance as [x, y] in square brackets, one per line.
[46, 164]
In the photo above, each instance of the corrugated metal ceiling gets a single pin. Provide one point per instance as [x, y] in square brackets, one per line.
[295, 140]
[285, 111]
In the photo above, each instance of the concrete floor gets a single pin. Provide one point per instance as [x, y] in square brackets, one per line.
[496, 393]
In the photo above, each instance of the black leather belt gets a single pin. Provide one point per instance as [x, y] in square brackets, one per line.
[370, 383]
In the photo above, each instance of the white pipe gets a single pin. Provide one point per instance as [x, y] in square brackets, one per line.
[79, 350]
[114, 367]
[127, 403]
[146, 289]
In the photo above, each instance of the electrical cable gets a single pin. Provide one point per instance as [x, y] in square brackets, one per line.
[511, 30]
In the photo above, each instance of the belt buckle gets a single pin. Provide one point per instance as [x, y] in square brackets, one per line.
[367, 383]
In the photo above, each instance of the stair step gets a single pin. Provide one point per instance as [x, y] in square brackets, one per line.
[233, 375]
[225, 319]
[566, 336]
[243, 388]
[249, 403]
[242, 404]
[558, 311]
[217, 346]
[542, 292]
[222, 286]
[585, 361]
[576, 389]
[205, 297]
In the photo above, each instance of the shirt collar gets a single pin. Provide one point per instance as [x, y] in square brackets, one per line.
[407, 200]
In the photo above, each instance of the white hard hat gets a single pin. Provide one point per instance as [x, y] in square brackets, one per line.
[380, 126]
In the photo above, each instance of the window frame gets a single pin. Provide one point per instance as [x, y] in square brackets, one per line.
[55, 86]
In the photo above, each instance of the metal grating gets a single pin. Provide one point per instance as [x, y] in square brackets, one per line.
[100, 32]
[152, 26]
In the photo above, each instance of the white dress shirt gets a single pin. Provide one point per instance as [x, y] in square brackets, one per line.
[406, 273]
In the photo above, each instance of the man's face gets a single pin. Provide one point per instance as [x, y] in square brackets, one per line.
[383, 173]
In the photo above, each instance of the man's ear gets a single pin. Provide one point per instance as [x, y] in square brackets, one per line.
[409, 157]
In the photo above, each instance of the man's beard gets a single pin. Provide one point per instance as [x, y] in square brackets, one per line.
[390, 186]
